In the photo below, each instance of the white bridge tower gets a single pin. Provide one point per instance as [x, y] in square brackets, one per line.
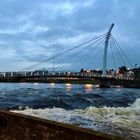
[105, 49]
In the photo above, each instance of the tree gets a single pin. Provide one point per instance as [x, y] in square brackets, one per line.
[123, 69]
[82, 70]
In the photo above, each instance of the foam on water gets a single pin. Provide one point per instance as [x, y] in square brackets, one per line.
[119, 121]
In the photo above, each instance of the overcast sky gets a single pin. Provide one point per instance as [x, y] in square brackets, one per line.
[31, 29]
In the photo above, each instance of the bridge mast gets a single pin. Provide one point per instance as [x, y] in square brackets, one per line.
[105, 49]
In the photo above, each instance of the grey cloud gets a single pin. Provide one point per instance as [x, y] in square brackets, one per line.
[37, 21]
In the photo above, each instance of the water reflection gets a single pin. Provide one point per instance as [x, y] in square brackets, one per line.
[23, 83]
[97, 86]
[88, 87]
[68, 87]
[52, 85]
[36, 84]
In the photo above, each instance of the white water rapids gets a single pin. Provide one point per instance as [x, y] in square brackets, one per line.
[119, 121]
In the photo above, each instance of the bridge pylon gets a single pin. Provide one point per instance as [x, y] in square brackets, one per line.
[105, 49]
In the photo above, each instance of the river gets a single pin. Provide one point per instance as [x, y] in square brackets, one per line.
[113, 110]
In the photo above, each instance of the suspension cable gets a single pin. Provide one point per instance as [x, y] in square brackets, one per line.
[117, 53]
[96, 52]
[123, 52]
[43, 61]
[76, 53]
[112, 54]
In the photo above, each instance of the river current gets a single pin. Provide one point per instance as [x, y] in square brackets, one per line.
[113, 110]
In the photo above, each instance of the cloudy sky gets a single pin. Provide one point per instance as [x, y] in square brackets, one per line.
[30, 30]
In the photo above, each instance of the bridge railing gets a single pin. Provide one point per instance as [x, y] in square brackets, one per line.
[59, 74]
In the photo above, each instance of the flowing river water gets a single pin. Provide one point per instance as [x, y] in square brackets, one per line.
[113, 110]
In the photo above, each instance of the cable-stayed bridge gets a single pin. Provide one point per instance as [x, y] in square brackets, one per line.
[77, 65]
[88, 55]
